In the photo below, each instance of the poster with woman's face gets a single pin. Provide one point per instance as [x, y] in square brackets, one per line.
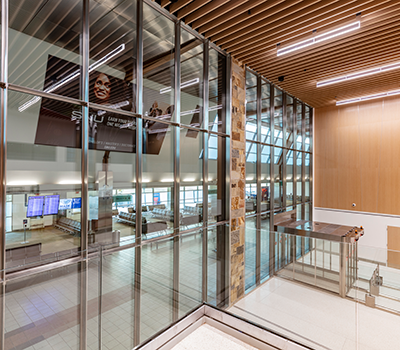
[59, 123]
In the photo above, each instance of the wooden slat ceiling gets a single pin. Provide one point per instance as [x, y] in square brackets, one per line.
[251, 30]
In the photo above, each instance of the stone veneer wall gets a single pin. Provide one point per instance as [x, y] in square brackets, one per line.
[238, 182]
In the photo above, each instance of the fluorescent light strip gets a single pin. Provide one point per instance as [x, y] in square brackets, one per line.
[72, 76]
[183, 85]
[370, 97]
[319, 38]
[359, 74]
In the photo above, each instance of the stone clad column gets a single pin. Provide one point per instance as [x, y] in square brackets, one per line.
[238, 182]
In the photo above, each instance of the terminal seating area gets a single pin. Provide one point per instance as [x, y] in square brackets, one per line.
[70, 226]
[164, 214]
[129, 218]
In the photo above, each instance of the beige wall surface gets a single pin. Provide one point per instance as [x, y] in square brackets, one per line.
[357, 156]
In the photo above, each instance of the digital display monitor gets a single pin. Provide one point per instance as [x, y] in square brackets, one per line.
[70, 203]
[51, 204]
[35, 206]
[65, 203]
[76, 203]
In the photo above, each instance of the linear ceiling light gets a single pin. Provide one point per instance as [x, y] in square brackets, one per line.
[73, 75]
[359, 74]
[318, 38]
[183, 85]
[370, 97]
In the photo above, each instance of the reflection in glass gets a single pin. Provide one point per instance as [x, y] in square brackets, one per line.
[44, 47]
[251, 177]
[265, 177]
[217, 86]
[113, 54]
[265, 112]
[289, 178]
[191, 80]
[251, 251]
[158, 65]
[191, 189]
[251, 106]
[216, 176]
[289, 122]
[43, 178]
[278, 118]
[158, 179]
[299, 123]
[299, 175]
[278, 185]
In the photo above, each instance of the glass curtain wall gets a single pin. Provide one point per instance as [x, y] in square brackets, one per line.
[278, 170]
[116, 144]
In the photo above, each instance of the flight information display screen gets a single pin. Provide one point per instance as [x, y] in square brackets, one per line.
[51, 204]
[35, 206]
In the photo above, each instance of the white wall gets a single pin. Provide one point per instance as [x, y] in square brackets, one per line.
[373, 245]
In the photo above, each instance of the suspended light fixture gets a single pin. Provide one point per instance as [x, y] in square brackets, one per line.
[319, 38]
[370, 97]
[359, 74]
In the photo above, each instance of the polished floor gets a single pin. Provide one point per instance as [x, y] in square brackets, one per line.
[207, 337]
[319, 319]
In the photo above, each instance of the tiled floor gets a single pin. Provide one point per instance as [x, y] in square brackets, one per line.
[319, 319]
[209, 338]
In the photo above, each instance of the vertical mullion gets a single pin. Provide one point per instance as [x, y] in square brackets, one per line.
[295, 154]
[84, 173]
[284, 150]
[303, 168]
[139, 163]
[258, 175]
[311, 177]
[272, 184]
[3, 160]
[176, 204]
[206, 62]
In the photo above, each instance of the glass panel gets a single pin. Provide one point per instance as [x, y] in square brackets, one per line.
[289, 122]
[112, 175]
[265, 177]
[299, 123]
[251, 251]
[45, 188]
[113, 54]
[265, 235]
[251, 106]
[216, 177]
[190, 271]
[299, 176]
[265, 112]
[308, 130]
[289, 178]
[191, 80]
[158, 179]
[44, 47]
[158, 64]
[157, 287]
[278, 185]
[251, 178]
[278, 118]
[191, 189]
[43, 309]
[217, 86]
[212, 265]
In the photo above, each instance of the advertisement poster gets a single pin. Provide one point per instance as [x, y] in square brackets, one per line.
[156, 198]
[59, 123]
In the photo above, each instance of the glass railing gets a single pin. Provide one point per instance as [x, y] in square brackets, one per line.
[324, 294]
[107, 293]
[317, 292]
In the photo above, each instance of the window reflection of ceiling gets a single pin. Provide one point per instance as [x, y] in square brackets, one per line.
[112, 22]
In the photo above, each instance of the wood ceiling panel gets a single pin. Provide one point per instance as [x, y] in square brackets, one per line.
[250, 31]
